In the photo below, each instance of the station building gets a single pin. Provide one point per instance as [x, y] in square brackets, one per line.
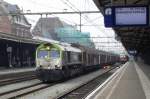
[17, 47]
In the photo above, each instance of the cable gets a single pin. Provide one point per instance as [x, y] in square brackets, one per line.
[74, 9]
[85, 17]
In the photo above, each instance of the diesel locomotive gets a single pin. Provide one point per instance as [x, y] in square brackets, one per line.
[58, 61]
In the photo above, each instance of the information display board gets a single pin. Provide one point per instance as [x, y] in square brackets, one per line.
[126, 16]
[131, 16]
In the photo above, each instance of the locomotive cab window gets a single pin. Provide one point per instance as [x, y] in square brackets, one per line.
[54, 54]
[43, 54]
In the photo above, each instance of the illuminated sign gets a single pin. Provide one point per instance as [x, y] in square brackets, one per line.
[131, 16]
[108, 17]
[126, 16]
[132, 52]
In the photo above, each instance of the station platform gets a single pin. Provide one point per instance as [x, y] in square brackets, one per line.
[16, 70]
[131, 81]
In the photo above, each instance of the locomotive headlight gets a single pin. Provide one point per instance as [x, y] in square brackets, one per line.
[48, 67]
[57, 67]
[38, 67]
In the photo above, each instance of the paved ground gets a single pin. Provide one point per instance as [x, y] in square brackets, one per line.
[145, 68]
[132, 83]
[17, 70]
[129, 86]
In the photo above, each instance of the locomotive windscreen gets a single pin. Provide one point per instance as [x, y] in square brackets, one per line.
[42, 54]
[54, 54]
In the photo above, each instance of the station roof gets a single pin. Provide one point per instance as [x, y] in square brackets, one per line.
[11, 37]
[137, 38]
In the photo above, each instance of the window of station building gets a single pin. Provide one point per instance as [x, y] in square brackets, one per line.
[14, 18]
[18, 18]
[22, 31]
[25, 33]
[16, 30]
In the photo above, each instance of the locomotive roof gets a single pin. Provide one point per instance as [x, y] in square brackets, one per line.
[63, 46]
[91, 50]
[72, 47]
[69, 48]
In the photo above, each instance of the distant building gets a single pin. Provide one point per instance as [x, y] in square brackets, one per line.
[13, 24]
[46, 27]
[54, 28]
[71, 35]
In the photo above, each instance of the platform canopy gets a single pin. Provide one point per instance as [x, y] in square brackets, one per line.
[135, 37]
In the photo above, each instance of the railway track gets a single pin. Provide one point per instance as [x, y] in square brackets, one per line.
[23, 90]
[19, 84]
[16, 80]
[12, 94]
[75, 94]
[9, 75]
[82, 91]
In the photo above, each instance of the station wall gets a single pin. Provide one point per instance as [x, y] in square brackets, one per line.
[16, 54]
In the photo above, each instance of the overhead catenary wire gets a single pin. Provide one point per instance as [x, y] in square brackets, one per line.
[86, 18]
[73, 7]
[76, 11]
